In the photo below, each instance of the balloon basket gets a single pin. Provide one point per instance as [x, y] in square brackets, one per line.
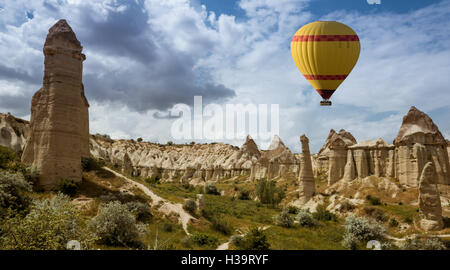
[325, 103]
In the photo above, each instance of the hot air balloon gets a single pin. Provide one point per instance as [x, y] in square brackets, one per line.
[325, 52]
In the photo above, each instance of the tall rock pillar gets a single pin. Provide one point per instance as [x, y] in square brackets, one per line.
[306, 176]
[59, 125]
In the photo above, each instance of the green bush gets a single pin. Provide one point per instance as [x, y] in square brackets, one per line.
[210, 188]
[169, 143]
[393, 222]
[221, 224]
[373, 200]
[293, 209]
[167, 227]
[359, 230]
[269, 193]
[244, 195]
[305, 219]
[408, 220]
[323, 214]
[153, 180]
[377, 214]
[13, 191]
[190, 206]
[140, 210]
[416, 243]
[91, 164]
[7, 156]
[284, 219]
[255, 239]
[201, 239]
[115, 225]
[50, 224]
[68, 187]
[139, 139]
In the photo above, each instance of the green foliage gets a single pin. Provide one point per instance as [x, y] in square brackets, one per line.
[359, 230]
[50, 224]
[255, 239]
[244, 195]
[192, 143]
[190, 206]
[200, 239]
[373, 200]
[375, 213]
[221, 224]
[210, 188]
[305, 219]
[68, 187]
[167, 227]
[153, 180]
[269, 193]
[284, 219]
[139, 139]
[140, 210]
[393, 222]
[408, 220]
[323, 214]
[7, 157]
[13, 191]
[293, 209]
[115, 225]
[91, 164]
[416, 243]
[169, 143]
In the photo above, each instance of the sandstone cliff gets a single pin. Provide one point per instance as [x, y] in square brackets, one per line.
[13, 132]
[59, 124]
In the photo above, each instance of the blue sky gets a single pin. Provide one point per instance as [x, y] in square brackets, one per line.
[145, 56]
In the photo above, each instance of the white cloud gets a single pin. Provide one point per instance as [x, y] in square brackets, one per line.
[404, 61]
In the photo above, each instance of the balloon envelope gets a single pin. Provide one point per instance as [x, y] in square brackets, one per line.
[325, 52]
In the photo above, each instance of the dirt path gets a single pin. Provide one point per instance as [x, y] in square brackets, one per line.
[226, 245]
[166, 207]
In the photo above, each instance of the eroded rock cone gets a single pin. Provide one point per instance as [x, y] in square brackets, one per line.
[429, 200]
[59, 125]
[306, 176]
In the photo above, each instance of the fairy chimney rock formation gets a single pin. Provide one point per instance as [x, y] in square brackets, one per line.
[306, 177]
[59, 125]
[429, 200]
[419, 141]
[335, 149]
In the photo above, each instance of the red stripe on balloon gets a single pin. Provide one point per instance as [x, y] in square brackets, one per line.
[325, 77]
[307, 38]
[325, 94]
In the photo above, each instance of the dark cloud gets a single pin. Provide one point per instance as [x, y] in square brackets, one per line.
[7, 73]
[156, 76]
[17, 105]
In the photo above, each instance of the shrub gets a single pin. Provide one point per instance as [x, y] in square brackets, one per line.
[293, 209]
[116, 225]
[221, 224]
[169, 143]
[210, 188]
[190, 206]
[416, 243]
[140, 210]
[13, 191]
[373, 200]
[359, 230]
[153, 180]
[50, 224]
[375, 213]
[201, 239]
[167, 227]
[323, 214]
[31, 174]
[305, 219]
[139, 139]
[408, 220]
[91, 164]
[244, 195]
[236, 240]
[284, 219]
[268, 193]
[192, 143]
[67, 187]
[7, 156]
[393, 222]
[255, 239]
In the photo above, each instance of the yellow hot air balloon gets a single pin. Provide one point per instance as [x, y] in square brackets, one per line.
[325, 52]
